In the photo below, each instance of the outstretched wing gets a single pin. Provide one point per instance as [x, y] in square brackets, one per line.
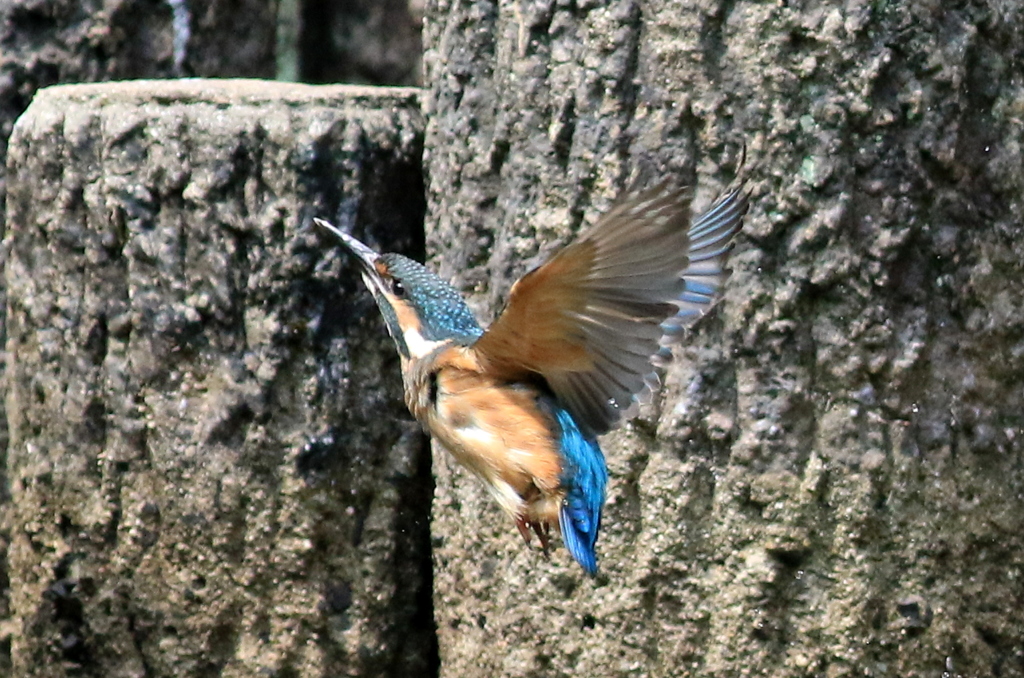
[711, 237]
[595, 318]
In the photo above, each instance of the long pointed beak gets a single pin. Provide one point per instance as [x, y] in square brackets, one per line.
[367, 257]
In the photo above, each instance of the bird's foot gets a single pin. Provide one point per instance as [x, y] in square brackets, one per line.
[524, 529]
[542, 530]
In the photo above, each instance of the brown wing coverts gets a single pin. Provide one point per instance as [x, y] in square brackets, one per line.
[593, 318]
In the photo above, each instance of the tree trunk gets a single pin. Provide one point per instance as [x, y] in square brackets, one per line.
[830, 483]
[211, 468]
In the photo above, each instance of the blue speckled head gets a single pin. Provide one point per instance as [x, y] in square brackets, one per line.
[439, 307]
[413, 300]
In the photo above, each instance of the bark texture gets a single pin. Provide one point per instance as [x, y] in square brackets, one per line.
[211, 469]
[831, 482]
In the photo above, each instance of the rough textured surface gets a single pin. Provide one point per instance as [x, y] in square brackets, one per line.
[211, 469]
[375, 42]
[45, 43]
[832, 482]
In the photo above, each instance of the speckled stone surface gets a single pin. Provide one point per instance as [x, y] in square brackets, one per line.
[844, 434]
[63, 41]
[210, 466]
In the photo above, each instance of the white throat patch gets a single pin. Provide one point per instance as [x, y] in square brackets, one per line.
[418, 346]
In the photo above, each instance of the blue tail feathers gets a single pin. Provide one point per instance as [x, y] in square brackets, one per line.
[584, 476]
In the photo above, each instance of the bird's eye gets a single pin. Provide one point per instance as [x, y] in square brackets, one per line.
[397, 288]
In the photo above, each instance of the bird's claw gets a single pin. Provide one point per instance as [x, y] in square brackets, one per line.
[542, 530]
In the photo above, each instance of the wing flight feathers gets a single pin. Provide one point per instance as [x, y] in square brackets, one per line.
[597, 316]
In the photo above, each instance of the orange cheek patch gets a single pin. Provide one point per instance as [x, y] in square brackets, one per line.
[407, 318]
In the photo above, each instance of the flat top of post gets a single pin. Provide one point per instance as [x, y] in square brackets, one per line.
[234, 91]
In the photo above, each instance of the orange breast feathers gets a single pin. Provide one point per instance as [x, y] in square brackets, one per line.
[499, 432]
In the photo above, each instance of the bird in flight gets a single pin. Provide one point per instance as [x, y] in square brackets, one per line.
[522, 404]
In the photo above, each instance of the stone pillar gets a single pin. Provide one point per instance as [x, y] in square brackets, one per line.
[830, 482]
[210, 466]
[55, 41]
[365, 41]
[46, 43]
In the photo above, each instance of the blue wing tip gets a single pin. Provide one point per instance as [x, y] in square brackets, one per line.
[584, 476]
[579, 540]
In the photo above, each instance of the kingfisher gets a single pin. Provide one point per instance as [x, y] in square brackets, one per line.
[575, 351]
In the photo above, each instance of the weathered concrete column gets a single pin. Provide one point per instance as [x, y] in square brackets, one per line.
[211, 469]
[60, 41]
[831, 483]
